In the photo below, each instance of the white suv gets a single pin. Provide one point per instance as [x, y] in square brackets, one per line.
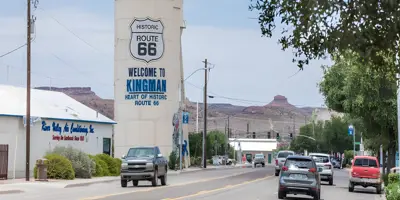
[324, 161]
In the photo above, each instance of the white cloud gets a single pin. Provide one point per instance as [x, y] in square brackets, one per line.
[247, 65]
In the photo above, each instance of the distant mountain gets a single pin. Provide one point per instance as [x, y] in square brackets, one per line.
[277, 116]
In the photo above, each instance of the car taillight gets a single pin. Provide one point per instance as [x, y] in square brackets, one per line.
[284, 168]
[276, 161]
[328, 166]
[354, 174]
[313, 170]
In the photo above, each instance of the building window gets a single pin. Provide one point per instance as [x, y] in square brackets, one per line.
[107, 146]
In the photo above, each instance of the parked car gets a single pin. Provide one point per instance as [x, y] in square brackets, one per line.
[300, 175]
[324, 161]
[259, 159]
[144, 163]
[280, 160]
[365, 172]
[335, 163]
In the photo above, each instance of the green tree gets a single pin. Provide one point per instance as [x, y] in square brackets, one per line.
[354, 87]
[367, 27]
[330, 136]
[217, 144]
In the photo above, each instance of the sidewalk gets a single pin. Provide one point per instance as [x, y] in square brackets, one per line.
[20, 185]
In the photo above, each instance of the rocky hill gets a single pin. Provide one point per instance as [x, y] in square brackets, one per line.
[277, 116]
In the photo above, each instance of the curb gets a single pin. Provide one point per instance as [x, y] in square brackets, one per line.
[10, 191]
[72, 185]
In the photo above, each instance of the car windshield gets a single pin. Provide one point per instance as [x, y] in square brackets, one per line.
[299, 163]
[259, 156]
[320, 159]
[284, 154]
[141, 152]
[365, 162]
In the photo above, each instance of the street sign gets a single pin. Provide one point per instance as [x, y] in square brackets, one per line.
[351, 130]
[357, 143]
[185, 118]
[147, 39]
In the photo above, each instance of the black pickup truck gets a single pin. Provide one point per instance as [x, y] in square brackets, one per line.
[144, 164]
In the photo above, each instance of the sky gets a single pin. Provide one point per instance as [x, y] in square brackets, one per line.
[73, 46]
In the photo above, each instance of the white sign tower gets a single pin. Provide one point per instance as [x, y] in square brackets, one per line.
[147, 71]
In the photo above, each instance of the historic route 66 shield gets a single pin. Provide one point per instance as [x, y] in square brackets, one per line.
[147, 39]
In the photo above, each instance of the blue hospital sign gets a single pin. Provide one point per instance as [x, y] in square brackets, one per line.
[185, 118]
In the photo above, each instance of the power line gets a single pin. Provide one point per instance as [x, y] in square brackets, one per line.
[72, 32]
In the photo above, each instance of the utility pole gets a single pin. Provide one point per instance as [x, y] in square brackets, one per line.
[248, 130]
[28, 91]
[205, 116]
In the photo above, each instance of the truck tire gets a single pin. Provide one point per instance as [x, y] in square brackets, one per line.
[379, 189]
[154, 181]
[281, 195]
[124, 183]
[164, 179]
[276, 173]
[135, 183]
[331, 180]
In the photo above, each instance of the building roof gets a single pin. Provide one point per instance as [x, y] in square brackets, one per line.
[254, 146]
[46, 104]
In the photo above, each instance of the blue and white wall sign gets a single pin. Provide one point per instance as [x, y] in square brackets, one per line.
[185, 118]
[146, 86]
[351, 130]
[67, 128]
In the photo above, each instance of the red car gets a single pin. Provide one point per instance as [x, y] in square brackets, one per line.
[365, 172]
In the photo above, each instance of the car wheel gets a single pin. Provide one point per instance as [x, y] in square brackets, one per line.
[379, 189]
[124, 183]
[351, 187]
[154, 181]
[331, 181]
[317, 195]
[263, 165]
[164, 179]
[276, 173]
[281, 195]
[135, 183]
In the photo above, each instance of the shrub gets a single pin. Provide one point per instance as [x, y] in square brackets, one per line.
[172, 160]
[393, 178]
[385, 178]
[393, 191]
[101, 167]
[111, 164]
[118, 163]
[84, 167]
[58, 167]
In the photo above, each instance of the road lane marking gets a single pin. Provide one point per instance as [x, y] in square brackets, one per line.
[220, 189]
[168, 186]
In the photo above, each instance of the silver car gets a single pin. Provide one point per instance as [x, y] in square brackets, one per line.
[300, 175]
[280, 160]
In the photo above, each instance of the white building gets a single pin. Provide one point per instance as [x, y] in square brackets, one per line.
[147, 72]
[57, 120]
[249, 147]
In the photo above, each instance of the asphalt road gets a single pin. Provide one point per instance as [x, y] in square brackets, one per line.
[112, 190]
[267, 189]
[227, 184]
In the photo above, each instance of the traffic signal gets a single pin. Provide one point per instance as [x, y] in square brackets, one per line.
[269, 135]
[291, 135]
[277, 136]
[254, 135]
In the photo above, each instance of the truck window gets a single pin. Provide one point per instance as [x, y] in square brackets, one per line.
[365, 162]
[284, 154]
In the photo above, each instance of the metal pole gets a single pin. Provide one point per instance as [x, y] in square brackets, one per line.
[28, 92]
[197, 117]
[354, 141]
[205, 116]
[398, 118]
